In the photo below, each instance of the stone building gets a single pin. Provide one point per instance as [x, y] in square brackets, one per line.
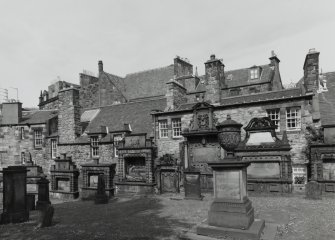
[91, 120]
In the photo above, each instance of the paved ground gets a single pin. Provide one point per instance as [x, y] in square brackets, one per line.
[166, 216]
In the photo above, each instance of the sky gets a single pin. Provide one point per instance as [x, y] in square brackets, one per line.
[42, 40]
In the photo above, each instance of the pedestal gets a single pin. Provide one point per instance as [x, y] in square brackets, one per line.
[231, 213]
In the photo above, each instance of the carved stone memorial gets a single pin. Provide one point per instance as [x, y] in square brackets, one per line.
[231, 213]
[43, 193]
[14, 195]
[192, 184]
[101, 196]
[90, 173]
[64, 178]
[136, 165]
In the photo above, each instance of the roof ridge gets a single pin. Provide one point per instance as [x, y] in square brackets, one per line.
[110, 105]
[263, 65]
[152, 69]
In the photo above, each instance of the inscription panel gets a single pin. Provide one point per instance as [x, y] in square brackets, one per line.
[227, 184]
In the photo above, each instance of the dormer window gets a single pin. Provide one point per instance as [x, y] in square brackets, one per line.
[254, 73]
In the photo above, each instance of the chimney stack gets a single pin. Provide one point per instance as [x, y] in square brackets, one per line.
[11, 113]
[311, 70]
[214, 79]
[101, 66]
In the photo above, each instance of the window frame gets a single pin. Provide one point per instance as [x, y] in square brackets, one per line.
[95, 146]
[177, 128]
[38, 138]
[254, 73]
[274, 120]
[116, 144]
[165, 129]
[296, 118]
[53, 148]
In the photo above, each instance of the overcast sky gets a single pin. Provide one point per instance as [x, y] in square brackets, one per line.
[40, 40]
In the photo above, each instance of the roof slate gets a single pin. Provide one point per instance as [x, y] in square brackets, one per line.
[137, 114]
[148, 83]
[37, 117]
[240, 77]
[252, 98]
[327, 101]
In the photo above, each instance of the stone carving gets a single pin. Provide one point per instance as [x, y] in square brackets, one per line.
[168, 159]
[229, 134]
[203, 121]
[260, 123]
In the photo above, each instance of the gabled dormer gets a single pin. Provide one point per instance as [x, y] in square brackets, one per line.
[254, 73]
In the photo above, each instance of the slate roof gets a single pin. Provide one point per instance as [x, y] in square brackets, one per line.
[137, 114]
[147, 83]
[253, 98]
[327, 101]
[37, 117]
[88, 115]
[240, 77]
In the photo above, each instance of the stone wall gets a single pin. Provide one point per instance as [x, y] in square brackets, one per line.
[69, 115]
[170, 145]
[52, 103]
[12, 146]
[175, 96]
[243, 115]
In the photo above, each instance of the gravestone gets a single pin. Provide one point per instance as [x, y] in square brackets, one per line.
[101, 196]
[313, 190]
[46, 215]
[192, 185]
[14, 195]
[43, 193]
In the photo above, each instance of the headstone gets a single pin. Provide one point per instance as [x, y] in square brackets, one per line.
[313, 190]
[101, 196]
[14, 195]
[43, 193]
[192, 185]
[46, 216]
[30, 201]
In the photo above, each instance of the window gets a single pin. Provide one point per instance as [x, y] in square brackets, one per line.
[95, 147]
[176, 127]
[117, 139]
[38, 138]
[253, 73]
[274, 115]
[22, 133]
[53, 148]
[163, 129]
[293, 118]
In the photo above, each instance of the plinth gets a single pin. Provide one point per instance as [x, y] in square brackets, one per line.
[231, 213]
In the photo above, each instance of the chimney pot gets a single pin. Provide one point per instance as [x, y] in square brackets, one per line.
[212, 56]
[101, 66]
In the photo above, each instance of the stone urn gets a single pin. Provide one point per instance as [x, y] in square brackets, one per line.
[229, 135]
